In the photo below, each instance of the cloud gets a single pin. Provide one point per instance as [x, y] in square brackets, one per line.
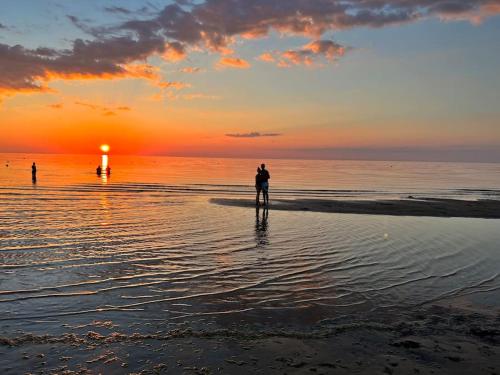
[307, 55]
[29, 70]
[174, 85]
[122, 11]
[173, 95]
[190, 70]
[196, 96]
[118, 9]
[233, 62]
[3, 27]
[55, 106]
[252, 135]
[105, 111]
[215, 24]
[122, 50]
[267, 57]
[174, 51]
[192, 96]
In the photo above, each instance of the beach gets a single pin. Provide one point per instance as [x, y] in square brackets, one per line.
[432, 207]
[161, 267]
[430, 340]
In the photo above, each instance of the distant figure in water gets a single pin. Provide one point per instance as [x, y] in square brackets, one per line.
[264, 184]
[258, 187]
[33, 172]
[98, 170]
[108, 170]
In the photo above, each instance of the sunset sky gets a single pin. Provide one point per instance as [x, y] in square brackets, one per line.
[361, 79]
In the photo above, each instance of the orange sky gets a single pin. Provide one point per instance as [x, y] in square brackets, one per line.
[282, 90]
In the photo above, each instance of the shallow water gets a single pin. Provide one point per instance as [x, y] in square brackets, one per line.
[145, 244]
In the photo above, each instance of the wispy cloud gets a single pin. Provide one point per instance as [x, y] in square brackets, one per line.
[105, 111]
[233, 62]
[196, 96]
[191, 96]
[55, 105]
[252, 135]
[266, 57]
[174, 85]
[191, 70]
[117, 9]
[143, 11]
[309, 55]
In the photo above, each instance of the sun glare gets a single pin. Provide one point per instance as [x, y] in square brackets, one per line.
[105, 148]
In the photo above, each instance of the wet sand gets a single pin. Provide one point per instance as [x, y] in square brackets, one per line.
[432, 207]
[427, 340]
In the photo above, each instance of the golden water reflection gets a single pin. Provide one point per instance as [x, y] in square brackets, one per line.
[104, 166]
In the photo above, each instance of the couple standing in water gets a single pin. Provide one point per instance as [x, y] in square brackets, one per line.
[262, 184]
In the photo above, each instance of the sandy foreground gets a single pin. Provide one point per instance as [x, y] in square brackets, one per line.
[487, 209]
[427, 340]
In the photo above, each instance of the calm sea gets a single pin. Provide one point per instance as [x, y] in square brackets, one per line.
[145, 244]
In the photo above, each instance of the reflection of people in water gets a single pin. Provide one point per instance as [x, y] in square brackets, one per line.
[33, 172]
[261, 226]
[108, 170]
[98, 170]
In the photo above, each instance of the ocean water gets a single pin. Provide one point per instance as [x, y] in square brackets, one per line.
[145, 244]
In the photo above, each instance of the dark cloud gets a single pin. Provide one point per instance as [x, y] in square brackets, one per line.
[2, 26]
[214, 23]
[28, 70]
[252, 135]
[83, 25]
[117, 9]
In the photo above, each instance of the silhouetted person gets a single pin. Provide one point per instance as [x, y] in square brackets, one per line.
[98, 170]
[33, 172]
[264, 184]
[108, 170]
[258, 187]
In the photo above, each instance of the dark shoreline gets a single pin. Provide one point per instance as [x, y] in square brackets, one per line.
[427, 340]
[432, 207]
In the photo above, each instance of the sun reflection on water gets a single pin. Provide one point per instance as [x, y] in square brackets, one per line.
[104, 165]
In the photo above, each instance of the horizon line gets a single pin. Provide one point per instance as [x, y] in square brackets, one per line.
[208, 156]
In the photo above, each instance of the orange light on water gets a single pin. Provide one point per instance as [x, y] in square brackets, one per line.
[105, 148]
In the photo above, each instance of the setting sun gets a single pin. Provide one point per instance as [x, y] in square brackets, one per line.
[105, 148]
